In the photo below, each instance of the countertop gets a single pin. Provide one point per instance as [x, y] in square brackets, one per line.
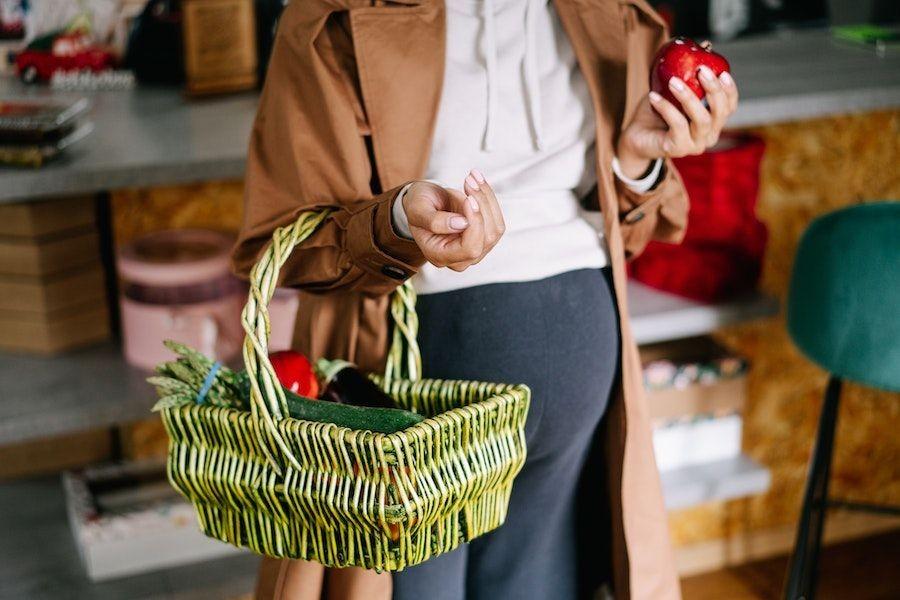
[155, 136]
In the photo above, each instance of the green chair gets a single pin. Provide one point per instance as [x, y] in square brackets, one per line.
[844, 315]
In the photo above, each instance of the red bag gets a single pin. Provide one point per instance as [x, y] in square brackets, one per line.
[722, 252]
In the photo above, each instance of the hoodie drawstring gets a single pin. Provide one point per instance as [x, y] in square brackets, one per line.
[532, 75]
[490, 60]
[530, 72]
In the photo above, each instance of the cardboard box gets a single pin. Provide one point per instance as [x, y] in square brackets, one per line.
[126, 519]
[55, 454]
[41, 219]
[696, 391]
[42, 295]
[57, 331]
[706, 379]
[41, 257]
[719, 398]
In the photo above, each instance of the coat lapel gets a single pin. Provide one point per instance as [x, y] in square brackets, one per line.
[400, 51]
[609, 44]
[595, 29]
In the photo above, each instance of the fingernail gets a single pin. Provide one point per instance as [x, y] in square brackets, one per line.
[470, 181]
[654, 97]
[667, 146]
[473, 203]
[726, 78]
[707, 74]
[676, 84]
[458, 223]
[478, 176]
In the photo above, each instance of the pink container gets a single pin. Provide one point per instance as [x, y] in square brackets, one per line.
[177, 285]
[283, 314]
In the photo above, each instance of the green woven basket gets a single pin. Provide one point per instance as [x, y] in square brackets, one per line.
[289, 488]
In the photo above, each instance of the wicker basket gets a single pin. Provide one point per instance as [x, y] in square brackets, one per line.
[298, 489]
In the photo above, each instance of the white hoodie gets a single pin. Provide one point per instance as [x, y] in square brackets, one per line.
[515, 106]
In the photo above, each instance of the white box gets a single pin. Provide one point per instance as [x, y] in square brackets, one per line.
[135, 523]
[697, 440]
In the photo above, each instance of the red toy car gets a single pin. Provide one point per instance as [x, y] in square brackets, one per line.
[61, 52]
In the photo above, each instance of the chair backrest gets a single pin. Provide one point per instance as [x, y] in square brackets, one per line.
[844, 303]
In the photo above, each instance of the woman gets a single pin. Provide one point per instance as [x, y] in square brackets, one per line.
[460, 142]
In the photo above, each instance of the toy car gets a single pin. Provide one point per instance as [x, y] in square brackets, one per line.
[60, 51]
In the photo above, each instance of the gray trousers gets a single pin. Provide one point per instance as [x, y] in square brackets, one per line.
[560, 336]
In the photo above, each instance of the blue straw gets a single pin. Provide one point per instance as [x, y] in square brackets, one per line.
[208, 382]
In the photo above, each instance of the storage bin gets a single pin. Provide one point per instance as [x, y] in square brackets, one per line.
[177, 285]
[722, 251]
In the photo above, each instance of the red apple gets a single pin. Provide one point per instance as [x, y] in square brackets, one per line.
[682, 57]
[295, 373]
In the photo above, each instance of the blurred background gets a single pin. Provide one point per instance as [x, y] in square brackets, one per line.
[123, 131]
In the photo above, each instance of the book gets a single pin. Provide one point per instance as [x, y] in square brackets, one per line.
[37, 153]
[24, 121]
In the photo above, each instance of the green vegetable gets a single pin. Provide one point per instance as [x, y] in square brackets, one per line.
[179, 383]
[381, 420]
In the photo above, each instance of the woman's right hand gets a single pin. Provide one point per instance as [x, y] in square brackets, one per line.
[454, 228]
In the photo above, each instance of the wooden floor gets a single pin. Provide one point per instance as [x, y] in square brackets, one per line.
[867, 569]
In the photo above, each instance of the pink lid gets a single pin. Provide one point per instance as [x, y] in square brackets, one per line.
[176, 257]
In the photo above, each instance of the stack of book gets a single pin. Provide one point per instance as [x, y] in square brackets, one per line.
[33, 132]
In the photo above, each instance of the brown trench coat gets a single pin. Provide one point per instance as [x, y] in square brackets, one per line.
[346, 119]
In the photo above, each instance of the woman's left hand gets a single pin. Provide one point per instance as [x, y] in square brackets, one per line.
[658, 129]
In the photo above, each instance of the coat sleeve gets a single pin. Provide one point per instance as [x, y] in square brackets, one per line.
[660, 214]
[308, 150]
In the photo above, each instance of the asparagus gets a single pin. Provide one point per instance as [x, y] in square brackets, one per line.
[180, 381]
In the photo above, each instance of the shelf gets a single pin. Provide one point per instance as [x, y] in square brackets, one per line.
[659, 317]
[720, 480]
[41, 562]
[792, 75]
[47, 396]
[144, 137]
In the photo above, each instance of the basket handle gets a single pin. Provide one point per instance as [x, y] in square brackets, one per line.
[267, 400]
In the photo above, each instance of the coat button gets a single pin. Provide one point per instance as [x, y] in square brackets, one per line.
[394, 272]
